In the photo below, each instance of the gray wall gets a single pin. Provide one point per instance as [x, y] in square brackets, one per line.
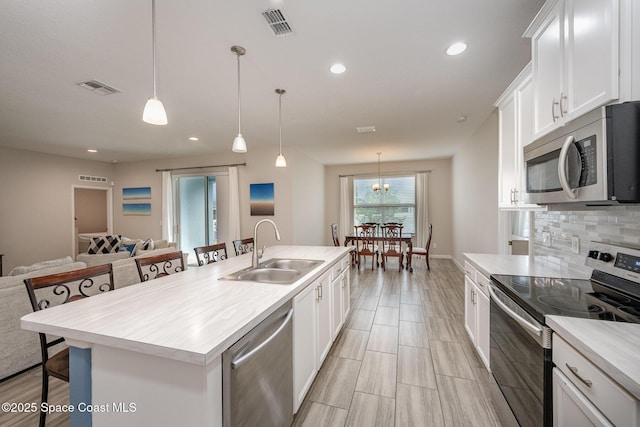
[475, 192]
[36, 212]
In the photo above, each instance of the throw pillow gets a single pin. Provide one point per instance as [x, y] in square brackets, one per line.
[147, 245]
[104, 244]
[129, 248]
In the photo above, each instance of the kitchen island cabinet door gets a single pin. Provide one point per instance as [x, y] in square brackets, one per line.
[305, 320]
[336, 308]
[325, 330]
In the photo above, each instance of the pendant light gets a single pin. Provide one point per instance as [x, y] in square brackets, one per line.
[154, 112]
[376, 187]
[281, 162]
[239, 144]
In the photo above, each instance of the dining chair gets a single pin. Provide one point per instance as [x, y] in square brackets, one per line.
[210, 254]
[424, 251]
[334, 234]
[391, 244]
[243, 246]
[56, 289]
[366, 243]
[155, 266]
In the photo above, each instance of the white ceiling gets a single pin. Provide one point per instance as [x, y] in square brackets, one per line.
[398, 78]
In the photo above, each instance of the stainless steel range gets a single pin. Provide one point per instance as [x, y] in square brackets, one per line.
[520, 355]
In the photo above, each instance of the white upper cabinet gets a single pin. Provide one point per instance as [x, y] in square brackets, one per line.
[515, 130]
[575, 60]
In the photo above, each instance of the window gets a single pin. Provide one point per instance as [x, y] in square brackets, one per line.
[396, 205]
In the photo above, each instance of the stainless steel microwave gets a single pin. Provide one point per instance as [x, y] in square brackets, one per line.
[594, 160]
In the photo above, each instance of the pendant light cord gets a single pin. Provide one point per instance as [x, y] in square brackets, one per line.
[280, 119]
[238, 57]
[153, 36]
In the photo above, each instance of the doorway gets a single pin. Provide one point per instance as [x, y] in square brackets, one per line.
[92, 215]
[197, 210]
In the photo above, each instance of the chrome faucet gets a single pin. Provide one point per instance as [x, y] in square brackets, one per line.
[256, 256]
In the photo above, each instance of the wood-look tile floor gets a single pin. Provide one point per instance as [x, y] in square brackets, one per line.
[402, 359]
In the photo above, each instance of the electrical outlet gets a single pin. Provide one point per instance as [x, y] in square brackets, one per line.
[575, 245]
[435, 246]
[546, 238]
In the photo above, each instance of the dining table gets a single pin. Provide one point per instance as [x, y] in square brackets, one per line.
[404, 237]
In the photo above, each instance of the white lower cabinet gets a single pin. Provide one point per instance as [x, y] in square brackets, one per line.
[305, 321]
[583, 395]
[315, 312]
[325, 330]
[476, 310]
[340, 295]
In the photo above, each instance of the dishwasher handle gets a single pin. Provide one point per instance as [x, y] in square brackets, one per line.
[534, 329]
[238, 362]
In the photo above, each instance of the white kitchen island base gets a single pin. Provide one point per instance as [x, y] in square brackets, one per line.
[151, 354]
[140, 389]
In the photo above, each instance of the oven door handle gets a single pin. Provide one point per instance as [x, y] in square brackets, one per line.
[537, 331]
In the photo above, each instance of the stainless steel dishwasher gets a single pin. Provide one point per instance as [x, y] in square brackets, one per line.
[257, 374]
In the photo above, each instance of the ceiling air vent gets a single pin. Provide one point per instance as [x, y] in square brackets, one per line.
[88, 178]
[277, 22]
[366, 129]
[98, 87]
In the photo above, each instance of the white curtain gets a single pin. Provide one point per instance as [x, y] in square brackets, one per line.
[234, 205]
[422, 208]
[344, 223]
[167, 208]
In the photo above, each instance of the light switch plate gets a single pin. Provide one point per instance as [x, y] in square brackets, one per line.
[575, 245]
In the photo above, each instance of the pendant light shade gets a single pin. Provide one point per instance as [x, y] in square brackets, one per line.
[281, 162]
[239, 144]
[154, 112]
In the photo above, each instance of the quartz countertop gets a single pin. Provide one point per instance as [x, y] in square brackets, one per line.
[191, 316]
[522, 265]
[612, 346]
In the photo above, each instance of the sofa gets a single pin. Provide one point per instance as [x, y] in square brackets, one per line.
[20, 349]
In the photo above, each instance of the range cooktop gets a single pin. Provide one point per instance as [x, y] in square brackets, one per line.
[612, 293]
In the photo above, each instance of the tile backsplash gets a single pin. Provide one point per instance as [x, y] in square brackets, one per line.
[612, 224]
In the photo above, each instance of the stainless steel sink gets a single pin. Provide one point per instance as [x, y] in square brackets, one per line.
[283, 271]
[291, 264]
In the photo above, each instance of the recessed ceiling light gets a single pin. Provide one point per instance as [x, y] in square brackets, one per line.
[338, 68]
[91, 150]
[194, 138]
[462, 118]
[456, 48]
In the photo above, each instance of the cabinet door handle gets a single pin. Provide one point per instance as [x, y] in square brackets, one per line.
[563, 97]
[515, 196]
[553, 109]
[320, 289]
[574, 371]
[317, 294]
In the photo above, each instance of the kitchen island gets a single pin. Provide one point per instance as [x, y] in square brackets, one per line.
[150, 354]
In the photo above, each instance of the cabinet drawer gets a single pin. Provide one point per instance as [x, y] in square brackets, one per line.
[336, 270]
[339, 267]
[469, 271]
[606, 395]
[482, 283]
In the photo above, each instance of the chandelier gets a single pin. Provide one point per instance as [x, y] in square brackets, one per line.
[376, 187]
